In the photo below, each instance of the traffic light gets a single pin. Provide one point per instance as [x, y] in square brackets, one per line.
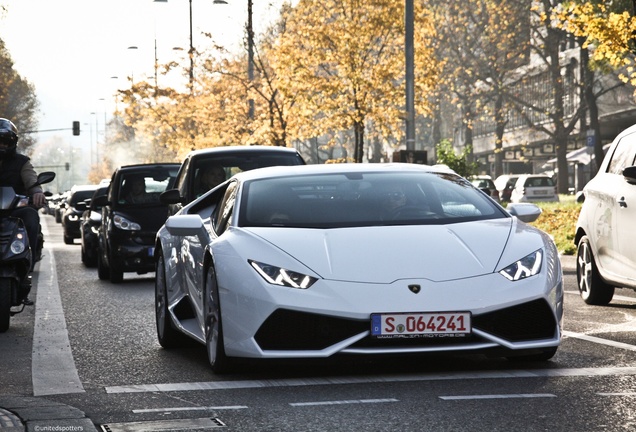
[76, 128]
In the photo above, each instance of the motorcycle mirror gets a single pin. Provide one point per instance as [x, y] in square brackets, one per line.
[46, 177]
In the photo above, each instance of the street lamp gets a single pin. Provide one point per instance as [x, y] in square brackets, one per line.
[250, 51]
[191, 52]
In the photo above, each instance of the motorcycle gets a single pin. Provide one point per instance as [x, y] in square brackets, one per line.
[16, 256]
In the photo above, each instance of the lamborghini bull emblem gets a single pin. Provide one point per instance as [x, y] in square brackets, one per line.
[414, 288]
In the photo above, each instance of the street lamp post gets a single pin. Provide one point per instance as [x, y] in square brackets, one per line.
[191, 51]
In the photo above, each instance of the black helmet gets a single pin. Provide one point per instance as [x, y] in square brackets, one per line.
[8, 136]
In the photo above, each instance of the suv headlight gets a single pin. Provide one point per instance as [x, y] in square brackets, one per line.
[282, 277]
[124, 224]
[527, 266]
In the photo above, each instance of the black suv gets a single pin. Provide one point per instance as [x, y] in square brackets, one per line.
[219, 164]
[131, 216]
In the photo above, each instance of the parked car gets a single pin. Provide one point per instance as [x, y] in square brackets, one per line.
[605, 234]
[89, 224]
[73, 209]
[505, 184]
[131, 218]
[534, 188]
[320, 260]
[487, 185]
[203, 169]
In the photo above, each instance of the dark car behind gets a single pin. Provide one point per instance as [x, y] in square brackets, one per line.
[74, 207]
[127, 232]
[232, 159]
[89, 224]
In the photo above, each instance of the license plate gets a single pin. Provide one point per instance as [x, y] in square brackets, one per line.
[541, 192]
[420, 324]
[151, 251]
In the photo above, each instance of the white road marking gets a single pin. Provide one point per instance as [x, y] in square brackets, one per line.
[343, 402]
[166, 410]
[53, 368]
[616, 297]
[500, 396]
[617, 394]
[251, 384]
[601, 341]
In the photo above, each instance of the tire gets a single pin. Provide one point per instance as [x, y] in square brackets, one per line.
[593, 289]
[168, 336]
[5, 304]
[116, 273]
[213, 325]
[103, 272]
[83, 256]
[88, 260]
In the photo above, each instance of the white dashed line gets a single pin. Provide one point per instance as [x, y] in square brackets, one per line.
[343, 402]
[500, 396]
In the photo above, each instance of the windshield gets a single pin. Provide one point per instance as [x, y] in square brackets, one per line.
[346, 200]
[139, 187]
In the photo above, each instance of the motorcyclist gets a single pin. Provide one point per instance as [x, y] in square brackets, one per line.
[17, 171]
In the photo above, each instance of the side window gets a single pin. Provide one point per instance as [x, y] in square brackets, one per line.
[223, 213]
[623, 156]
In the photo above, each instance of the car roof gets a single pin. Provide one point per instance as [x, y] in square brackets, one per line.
[241, 149]
[281, 171]
[151, 165]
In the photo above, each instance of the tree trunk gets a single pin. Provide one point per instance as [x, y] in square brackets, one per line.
[500, 127]
[590, 99]
[358, 129]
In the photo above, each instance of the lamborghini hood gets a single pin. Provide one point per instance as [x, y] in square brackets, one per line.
[388, 253]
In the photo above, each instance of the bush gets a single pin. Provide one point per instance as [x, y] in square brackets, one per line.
[559, 220]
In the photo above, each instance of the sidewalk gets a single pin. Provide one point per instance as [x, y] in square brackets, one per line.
[34, 414]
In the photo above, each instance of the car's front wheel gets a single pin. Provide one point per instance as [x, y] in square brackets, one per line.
[103, 272]
[167, 335]
[594, 290]
[213, 325]
[116, 272]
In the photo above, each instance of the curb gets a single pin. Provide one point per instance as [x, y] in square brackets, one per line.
[33, 414]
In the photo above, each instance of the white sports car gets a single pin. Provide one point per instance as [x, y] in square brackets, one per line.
[319, 260]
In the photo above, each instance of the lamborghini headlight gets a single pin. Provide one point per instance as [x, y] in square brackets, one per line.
[528, 266]
[282, 277]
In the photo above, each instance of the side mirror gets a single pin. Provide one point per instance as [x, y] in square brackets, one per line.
[46, 177]
[100, 201]
[171, 196]
[525, 212]
[630, 174]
